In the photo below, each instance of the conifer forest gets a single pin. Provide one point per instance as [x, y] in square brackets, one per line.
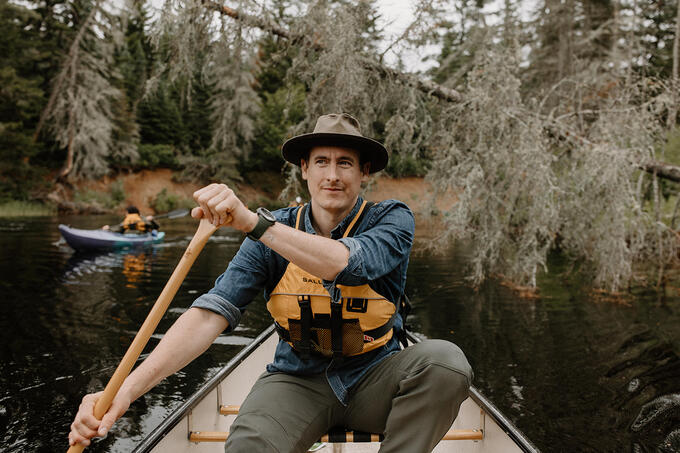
[555, 122]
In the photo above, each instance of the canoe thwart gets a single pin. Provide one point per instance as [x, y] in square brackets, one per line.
[341, 436]
[334, 436]
[229, 409]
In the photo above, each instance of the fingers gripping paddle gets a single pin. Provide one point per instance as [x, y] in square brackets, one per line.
[205, 230]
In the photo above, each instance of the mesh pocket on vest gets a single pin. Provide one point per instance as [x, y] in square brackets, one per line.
[321, 338]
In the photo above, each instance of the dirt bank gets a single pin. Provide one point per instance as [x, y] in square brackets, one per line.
[141, 188]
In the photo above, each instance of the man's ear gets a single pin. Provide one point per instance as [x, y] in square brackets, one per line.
[303, 168]
[365, 171]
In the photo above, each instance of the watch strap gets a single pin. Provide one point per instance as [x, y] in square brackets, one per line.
[262, 226]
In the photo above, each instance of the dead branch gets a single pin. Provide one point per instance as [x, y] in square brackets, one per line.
[431, 88]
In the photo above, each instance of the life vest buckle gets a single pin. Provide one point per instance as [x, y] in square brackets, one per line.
[357, 304]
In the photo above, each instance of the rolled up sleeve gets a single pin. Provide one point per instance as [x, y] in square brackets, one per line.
[238, 285]
[221, 306]
[381, 247]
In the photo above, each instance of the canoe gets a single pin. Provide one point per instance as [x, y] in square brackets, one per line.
[201, 424]
[106, 240]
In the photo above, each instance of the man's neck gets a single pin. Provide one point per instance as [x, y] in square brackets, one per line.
[324, 220]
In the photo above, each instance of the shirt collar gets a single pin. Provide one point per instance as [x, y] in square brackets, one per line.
[339, 230]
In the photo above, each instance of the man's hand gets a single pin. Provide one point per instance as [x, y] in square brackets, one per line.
[217, 202]
[85, 426]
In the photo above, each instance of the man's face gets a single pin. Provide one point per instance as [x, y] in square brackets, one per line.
[334, 176]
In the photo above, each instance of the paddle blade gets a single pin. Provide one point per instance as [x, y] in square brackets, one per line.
[176, 214]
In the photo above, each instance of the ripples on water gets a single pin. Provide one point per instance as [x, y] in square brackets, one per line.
[574, 374]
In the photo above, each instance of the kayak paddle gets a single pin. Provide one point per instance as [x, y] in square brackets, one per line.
[176, 214]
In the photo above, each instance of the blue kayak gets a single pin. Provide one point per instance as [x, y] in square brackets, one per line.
[107, 240]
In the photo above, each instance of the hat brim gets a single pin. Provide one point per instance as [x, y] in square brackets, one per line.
[297, 147]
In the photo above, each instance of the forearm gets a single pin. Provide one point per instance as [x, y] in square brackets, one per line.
[318, 255]
[189, 337]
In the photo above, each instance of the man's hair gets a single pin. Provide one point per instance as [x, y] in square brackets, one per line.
[132, 210]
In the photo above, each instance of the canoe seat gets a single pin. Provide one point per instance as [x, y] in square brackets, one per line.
[337, 435]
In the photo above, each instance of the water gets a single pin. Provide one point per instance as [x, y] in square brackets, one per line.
[573, 371]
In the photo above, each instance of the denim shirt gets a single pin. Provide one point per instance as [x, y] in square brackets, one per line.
[378, 255]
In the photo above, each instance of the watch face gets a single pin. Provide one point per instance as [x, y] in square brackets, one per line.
[266, 214]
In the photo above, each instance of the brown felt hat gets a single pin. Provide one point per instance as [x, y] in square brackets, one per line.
[336, 129]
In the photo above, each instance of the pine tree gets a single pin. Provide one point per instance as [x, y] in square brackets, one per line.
[80, 109]
[21, 96]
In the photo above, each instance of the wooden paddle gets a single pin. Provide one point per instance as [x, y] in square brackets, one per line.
[205, 230]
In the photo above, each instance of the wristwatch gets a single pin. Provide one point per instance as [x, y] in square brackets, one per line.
[266, 219]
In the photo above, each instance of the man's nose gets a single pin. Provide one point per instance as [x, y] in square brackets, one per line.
[332, 174]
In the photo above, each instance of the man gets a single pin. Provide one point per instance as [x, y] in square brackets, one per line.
[333, 272]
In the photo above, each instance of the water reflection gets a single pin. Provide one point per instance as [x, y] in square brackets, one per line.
[573, 373]
[134, 264]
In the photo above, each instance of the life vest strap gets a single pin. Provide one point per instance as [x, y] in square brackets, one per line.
[323, 321]
[336, 328]
[306, 315]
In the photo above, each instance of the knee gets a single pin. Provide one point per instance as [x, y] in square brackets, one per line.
[446, 356]
[257, 432]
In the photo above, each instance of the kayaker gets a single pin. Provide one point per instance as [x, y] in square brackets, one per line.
[333, 272]
[133, 222]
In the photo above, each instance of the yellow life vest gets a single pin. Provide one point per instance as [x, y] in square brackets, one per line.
[133, 222]
[308, 320]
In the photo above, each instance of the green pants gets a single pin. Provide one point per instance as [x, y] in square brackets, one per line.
[412, 397]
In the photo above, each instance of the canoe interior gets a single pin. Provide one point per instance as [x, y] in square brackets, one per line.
[231, 385]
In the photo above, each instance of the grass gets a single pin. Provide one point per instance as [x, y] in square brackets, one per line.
[107, 200]
[166, 202]
[26, 209]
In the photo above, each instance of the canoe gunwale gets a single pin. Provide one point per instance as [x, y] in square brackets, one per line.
[502, 421]
[155, 436]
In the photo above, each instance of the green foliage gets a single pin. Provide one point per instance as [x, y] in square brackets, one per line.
[195, 118]
[655, 35]
[110, 200]
[117, 192]
[276, 62]
[670, 152]
[408, 165]
[165, 202]
[266, 202]
[17, 208]
[281, 110]
[160, 118]
[21, 181]
[209, 166]
[21, 95]
[157, 156]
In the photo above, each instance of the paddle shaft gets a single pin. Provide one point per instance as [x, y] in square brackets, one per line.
[177, 213]
[205, 230]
